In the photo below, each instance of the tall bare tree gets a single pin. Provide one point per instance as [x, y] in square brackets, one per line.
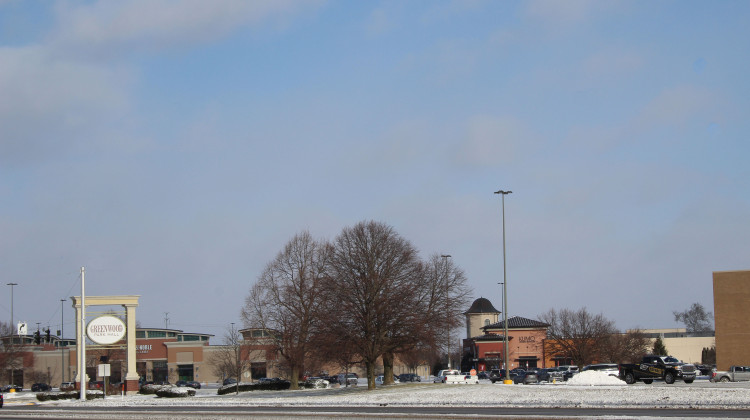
[696, 318]
[287, 299]
[628, 347]
[233, 358]
[579, 334]
[12, 351]
[375, 276]
[444, 296]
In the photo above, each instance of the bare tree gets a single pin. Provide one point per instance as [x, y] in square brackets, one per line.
[287, 299]
[696, 319]
[579, 334]
[444, 296]
[233, 357]
[628, 347]
[375, 276]
[12, 351]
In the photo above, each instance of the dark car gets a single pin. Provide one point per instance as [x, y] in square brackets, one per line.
[8, 388]
[96, 384]
[526, 377]
[550, 375]
[499, 374]
[483, 375]
[409, 377]
[229, 381]
[190, 384]
[40, 387]
[1, 400]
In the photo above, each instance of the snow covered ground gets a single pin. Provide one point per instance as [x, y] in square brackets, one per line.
[587, 389]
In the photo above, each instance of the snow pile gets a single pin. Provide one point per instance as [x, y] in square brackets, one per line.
[593, 377]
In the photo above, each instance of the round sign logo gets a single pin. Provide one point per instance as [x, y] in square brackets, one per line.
[106, 329]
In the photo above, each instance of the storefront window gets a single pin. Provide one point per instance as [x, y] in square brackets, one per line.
[159, 371]
[185, 372]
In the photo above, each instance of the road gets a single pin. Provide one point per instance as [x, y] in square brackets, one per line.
[226, 412]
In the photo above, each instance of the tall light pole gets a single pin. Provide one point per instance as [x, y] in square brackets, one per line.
[62, 334]
[445, 269]
[12, 327]
[505, 295]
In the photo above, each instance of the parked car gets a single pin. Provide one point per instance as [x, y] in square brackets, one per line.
[550, 375]
[526, 377]
[568, 371]
[67, 386]
[194, 384]
[229, 381]
[734, 374]
[379, 380]
[1, 400]
[409, 377]
[14, 388]
[40, 387]
[499, 375]
[483, 375]
[96, 384]
[348, 378]
[610, 369]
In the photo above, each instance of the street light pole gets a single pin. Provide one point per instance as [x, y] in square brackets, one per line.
[505, 295]
[60, 341]
[12, 327]
[445, 269]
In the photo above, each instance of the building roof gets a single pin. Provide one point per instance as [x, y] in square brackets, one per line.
[481, 306]
[490, 337]
[516, 322]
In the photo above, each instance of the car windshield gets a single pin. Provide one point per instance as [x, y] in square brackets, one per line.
[670, 359]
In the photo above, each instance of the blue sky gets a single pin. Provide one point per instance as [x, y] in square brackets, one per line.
[173, 147]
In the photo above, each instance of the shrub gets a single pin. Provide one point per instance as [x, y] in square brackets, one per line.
[244, 387]
[175, 392]
[67, 395]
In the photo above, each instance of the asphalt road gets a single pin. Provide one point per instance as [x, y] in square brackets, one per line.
[385, 412]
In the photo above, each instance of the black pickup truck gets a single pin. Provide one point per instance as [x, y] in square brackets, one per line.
[657, 367]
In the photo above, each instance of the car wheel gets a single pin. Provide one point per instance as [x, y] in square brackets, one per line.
[724, 379]
[669, 378]
[629, 378]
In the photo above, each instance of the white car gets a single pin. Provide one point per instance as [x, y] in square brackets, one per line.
[379, 380]
[610, 369]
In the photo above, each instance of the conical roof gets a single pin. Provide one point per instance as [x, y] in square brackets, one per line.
[482, 306]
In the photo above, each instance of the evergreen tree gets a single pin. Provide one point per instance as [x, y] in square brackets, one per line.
[659, 348]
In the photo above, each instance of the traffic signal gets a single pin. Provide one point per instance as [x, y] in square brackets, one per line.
[37, 337]
[47, 332]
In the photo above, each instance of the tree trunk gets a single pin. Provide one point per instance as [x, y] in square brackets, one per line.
[388, 368]
[370, 374]
[294, 378]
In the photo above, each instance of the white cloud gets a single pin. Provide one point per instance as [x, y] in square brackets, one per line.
[153, 24]
[48, 100]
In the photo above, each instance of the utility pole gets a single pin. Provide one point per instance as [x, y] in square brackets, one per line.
[82, 338]
[166, 320]
[12, 327]
[445, 273]
[60, 342]
[505, 296]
